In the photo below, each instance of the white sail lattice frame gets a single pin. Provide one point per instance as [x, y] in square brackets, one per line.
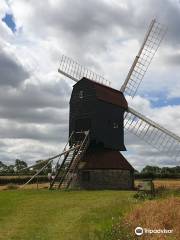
[73, 70]
[152, 133]
[145, 55]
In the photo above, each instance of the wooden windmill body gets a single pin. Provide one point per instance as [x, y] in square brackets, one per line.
[100, 109]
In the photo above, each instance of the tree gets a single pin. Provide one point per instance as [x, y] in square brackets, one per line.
[164, 172]
[3, 168]
[151, 169]
[10, 169]
[19, 164]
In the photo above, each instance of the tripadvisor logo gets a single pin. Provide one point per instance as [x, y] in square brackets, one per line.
[139, 231]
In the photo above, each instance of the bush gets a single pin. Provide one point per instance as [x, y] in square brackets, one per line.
[141, 195]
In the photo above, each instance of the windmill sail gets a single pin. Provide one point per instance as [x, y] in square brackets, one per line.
[73, 70]
[152, 133]
[145, 55]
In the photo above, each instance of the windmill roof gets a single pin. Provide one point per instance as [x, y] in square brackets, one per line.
[106, 159]
[108, 94]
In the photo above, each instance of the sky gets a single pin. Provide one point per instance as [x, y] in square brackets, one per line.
[102, 35]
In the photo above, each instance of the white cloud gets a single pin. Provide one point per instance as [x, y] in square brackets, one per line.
[104, 36]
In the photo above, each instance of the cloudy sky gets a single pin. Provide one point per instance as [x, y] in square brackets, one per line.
[103, 35]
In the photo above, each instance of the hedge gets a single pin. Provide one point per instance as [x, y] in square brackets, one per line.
[22, 180]
[152, 175]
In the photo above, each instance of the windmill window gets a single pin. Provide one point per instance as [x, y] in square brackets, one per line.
[81, 94]
[115, 125]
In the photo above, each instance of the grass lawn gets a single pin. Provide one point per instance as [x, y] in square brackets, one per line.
[50, 215]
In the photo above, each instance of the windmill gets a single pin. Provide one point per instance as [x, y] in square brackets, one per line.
[99, 114]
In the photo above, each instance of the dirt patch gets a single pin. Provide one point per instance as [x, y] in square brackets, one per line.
[28, 186]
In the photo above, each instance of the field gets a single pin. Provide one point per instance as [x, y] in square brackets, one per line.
[31, 214]
[166, 183]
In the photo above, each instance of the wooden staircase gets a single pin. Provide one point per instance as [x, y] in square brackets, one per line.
[67, 171]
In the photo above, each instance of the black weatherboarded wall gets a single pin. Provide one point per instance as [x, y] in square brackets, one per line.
[100, 109]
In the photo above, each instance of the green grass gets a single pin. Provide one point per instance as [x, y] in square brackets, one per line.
[51, 215]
